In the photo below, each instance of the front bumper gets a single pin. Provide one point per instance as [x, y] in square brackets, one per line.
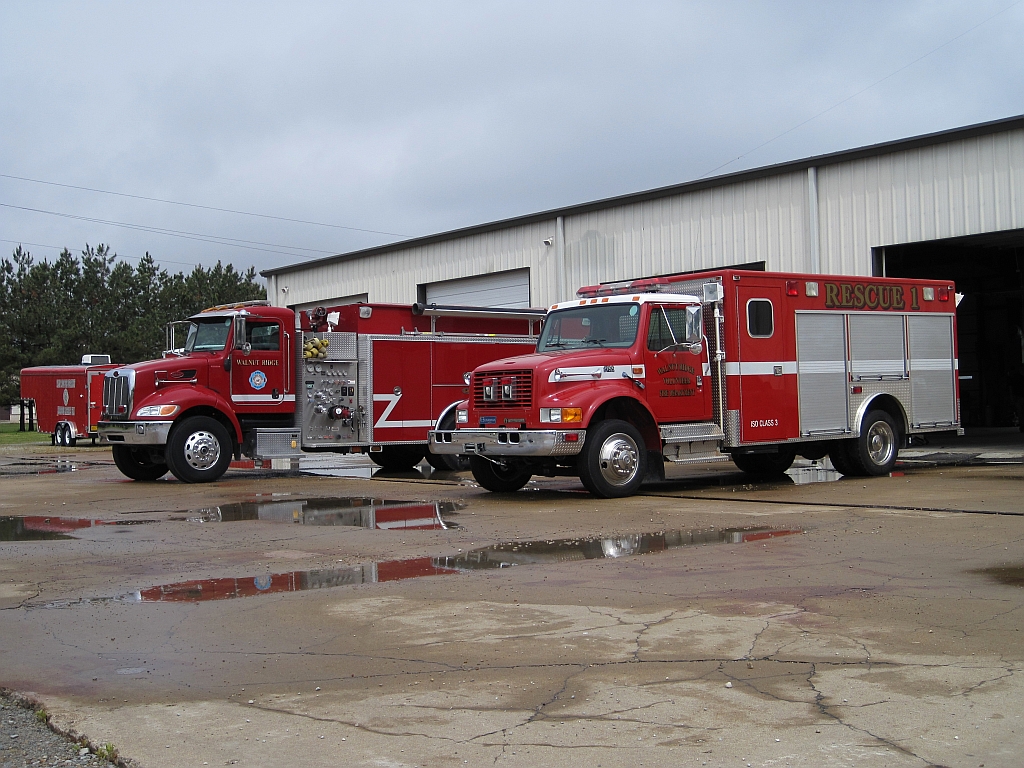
[508, 442]
[134, 432]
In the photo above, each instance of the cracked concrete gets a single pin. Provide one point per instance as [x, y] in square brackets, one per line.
[874, 639]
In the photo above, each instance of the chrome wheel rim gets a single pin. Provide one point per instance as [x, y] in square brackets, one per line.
[881, 443]
[202, 450]
[619, 459]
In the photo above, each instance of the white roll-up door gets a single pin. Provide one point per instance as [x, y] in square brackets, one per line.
[501, 289]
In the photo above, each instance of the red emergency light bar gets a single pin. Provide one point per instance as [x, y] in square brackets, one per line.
[646, 285]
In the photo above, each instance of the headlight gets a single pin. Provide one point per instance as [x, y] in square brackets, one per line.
[461, 416]
[157, 410]
[561, 415]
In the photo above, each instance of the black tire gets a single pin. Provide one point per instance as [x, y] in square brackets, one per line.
[839, 454]
[874, 452]
[398, 458]
[61, 434]
[447, 462]
[137, 463]
[496, 478]
[613, 462]
[765, 464]
[199, 450]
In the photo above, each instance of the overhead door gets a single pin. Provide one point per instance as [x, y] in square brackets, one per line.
[821, 370]
[501, 289]
[931, 369]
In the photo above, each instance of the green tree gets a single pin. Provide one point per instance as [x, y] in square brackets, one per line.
[53, 313]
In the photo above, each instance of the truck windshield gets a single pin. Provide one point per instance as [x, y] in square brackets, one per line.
[208, 335]
[600, 325]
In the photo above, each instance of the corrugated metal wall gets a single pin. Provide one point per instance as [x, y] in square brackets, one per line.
[954, 188]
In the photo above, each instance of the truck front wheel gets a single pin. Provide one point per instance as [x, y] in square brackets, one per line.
[199, 450]
[137, 464]
[613, 461]
[499, 478]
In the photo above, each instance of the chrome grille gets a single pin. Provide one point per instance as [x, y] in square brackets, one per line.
[503, 389]
[118, 388]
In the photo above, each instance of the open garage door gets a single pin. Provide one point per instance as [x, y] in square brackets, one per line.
[501, 289]
[989, 271]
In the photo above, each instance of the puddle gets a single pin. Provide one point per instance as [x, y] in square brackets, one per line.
[44, 466]
[358, 512]
[1010, 575]
[485, 558]
[43, 528]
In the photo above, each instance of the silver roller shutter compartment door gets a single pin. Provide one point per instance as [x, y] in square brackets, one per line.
[877, 349]
[931, 370]
[502, 289]
[821, 373]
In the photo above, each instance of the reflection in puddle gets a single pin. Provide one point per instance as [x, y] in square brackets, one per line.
[40, 528]
[1011, 575]
[381, 514]
[485, 558]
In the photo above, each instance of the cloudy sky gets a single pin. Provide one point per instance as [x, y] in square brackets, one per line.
[377, 121]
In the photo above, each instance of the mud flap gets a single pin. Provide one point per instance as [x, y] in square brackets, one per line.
[655, 467]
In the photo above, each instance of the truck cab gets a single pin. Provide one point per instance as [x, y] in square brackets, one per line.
[190, 412]
[611, 376]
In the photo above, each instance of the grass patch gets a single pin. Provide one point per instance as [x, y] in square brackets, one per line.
[9, 435]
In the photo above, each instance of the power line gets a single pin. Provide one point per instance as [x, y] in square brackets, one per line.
[63, 247]
[198, 236]
[197, 205]
[862, 90]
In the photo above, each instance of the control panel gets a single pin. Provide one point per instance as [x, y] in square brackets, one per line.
[331, 414]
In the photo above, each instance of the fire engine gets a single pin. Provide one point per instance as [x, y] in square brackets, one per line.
[760, 366]
[67, 397]
[267, 383]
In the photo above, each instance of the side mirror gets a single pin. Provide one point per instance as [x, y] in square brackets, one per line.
[693, 325]
[239, 333]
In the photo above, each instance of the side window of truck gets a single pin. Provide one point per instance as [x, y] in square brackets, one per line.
[263, 336]
[659, 334]
[760, 323]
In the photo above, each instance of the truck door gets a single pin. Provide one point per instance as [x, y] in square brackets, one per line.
[259, 375]
[767, 368]
[678, 386]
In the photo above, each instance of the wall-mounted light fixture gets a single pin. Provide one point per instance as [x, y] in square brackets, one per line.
[284, 289]
[549, 240]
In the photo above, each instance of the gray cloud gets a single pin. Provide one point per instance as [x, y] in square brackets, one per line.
[415, 118]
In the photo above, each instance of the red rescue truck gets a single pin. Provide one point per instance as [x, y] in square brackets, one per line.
[68, 398]
[760, 366]
[266, 382]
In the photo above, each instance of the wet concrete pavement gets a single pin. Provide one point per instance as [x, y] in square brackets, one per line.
[855, 622]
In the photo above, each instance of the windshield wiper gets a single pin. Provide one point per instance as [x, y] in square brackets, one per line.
[594, 341]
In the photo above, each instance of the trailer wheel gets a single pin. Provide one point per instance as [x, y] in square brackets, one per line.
[874, 452]
[766, 464]
[398, 458]
[613, 462]
[137, 464]
[499, 478]
[199, 450]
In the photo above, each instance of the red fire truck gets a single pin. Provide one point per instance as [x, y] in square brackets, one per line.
[760, 366]
[67, 397]
[266, 382]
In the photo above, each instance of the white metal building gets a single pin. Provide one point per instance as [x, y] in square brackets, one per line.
[947, 205]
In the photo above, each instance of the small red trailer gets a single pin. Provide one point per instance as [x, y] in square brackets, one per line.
[68, 398]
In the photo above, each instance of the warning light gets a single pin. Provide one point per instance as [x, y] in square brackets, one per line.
[791, 288]
[943, 294]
